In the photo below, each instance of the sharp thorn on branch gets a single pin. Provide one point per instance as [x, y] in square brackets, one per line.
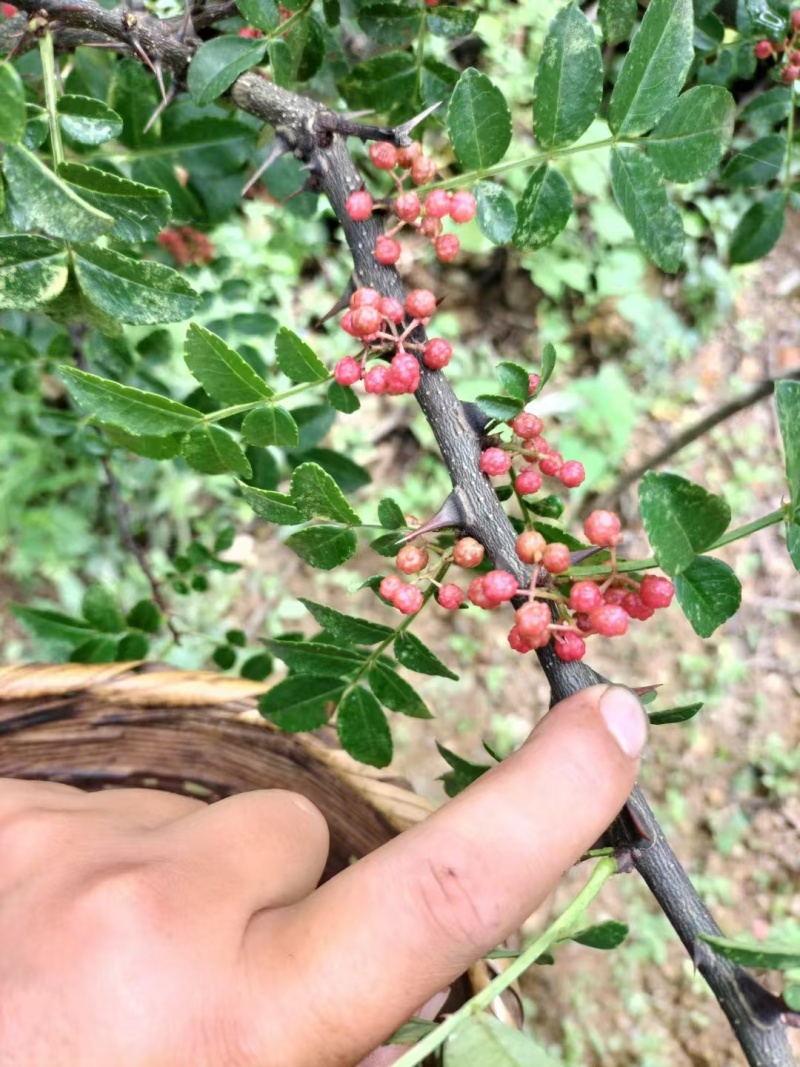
[582, 554]
[358, 114]
[162, 107]
[341, 303]
[403, 131]
[449, 514]
[278, 149]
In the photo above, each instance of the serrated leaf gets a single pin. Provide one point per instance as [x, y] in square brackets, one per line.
[463, 772]
[222, 372]
[12, 105]
[51, 626]
[767, 109]
[617, 19]
[158, 448]
[270, 425]
[99, 608]
[347, 474]
[451, 21]
[211, 450]
[86, 120]
[362, 728]
[640, 194]
[318, 496]
[548, 366]
[569, 80]
[313, 422]
[395, 693]
[759, 229]
[694, 135]
[297, 361]
[33, 271]
[496, 215]
[502, 408]
[672, 715]
[680, 519]
[478, 121]
[386, 84]
[131, 647]
[218, 63]
[144, 615]
[343, 398]
[271, 505]
[411, 653]
[654, 69]
[543, 209]
[514, 379]
[134, 291]
[606, 935]
[709, 593]
[324, 547]
[140, 211]
[759, 163]
[45, 202]
[37, 126]
[263, 14]
[389, 23]
[483, 1041]
[134, 410]
[390, 515]
[257, 668]
[758, 954]
[787, 400]
[304, 703]
[315, 657]
[387, 545]
[346, 627]
[98, 649]
[133, 94]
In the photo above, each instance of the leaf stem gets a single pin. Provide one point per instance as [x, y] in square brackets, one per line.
[48, 58]
[563, 926]
[276, 398]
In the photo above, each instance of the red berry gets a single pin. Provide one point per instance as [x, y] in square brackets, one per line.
[420, 303]
[423, 170]
[535, 447]
[636, 608]
[656, 592]
[518, 642]
[494, 462]
[376, 380]
[611, 620]
[583, 623]
[387, 250]
[438, 353]
[383, 155]
[430, 227]
[359, 205]
[790, 74]
[365, 320]
[555, 558]
[437, 203]
[450, 596]
[407, 155]
[500, 586]
[615, 596]
[403, 374]
[392, 309]
[347, 371]
[551, 464]
[248, 31]
[407, 207]
[463, 206]
[570, 647]
[467, 552]
[530, 546]
[794, 59]
[447, 247]
[796, 19]
[527, 425]
[763, 49]
[602, 528]
[585, 597]
[533, 383]
[477, 595]
[8, 10]
[408, 599]
[431, 3]
[365, 297]
[528, 481]
[347, 323]
[572, 474]
[411, 559]
[390, 585]
[533, 620]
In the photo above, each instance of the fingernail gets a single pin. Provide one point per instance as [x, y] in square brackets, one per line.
[626, 719]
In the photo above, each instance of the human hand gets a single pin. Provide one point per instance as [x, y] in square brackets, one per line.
[144, 929]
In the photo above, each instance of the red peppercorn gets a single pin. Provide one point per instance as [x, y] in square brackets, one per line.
[530, 546]
[450, 596]
[467, 552]
[463, 206]
[376, 380]
[437, 354]
[447, 247]
[347, 371]
[555, 558]
[359, 205]
[383, 155]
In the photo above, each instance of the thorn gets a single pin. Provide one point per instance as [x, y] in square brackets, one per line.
[341, 303]
[449, 514]
[582, 554]
[162, 107]
[358, 114]
[278, 149]
[402, 132]
[645, 690]
[160, 79]
[140, 52]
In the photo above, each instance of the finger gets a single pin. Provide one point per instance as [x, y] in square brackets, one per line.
[414, 914]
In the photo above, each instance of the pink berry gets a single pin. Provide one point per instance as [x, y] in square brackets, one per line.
[423, 170]
[420, 303]
[392, 309]
[602, 528]
[248, 31]
[383, 155]
[796, 18]
[450, 596]
[527, 425]
[615, 596]
[570, 647]
[411, 559]
[530, 546]
[555, 558]
[376, 379]
[763, 49]
[347, 323]
[437, 354]
[467, 552]
[572, 474]
[463, 206]
[390, 585]
[583, 622]
[387, 250]
[790, 74]
[528, 482]
[365, 320]
[407, 207]
[408, 600]
[359, 205]
[407, 155]
[447, 247]
[365, 297]
[535, 448]
[551, 464]
[518, 642]
[494, 462]
[533, 383]
[585, 597]
[476, 594]
[533, 620]
[437, 203]
[347, 371]
[500, 586]
[656, 592]
[430, 227]
[611, 620]
[636, 608]
[403, 374]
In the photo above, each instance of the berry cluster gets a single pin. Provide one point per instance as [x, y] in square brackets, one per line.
[788, 48]
[187, 245]
[537, 457]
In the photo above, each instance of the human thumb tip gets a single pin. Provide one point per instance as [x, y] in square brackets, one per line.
[625, 719]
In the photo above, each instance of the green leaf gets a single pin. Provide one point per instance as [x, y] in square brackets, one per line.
[514, 380]
[757, 954]
[304, 703]
[478, 121]
[271, 505]
[387, 545]
[51, 626]
[346, 627]
[544, 208]
[133, 94]
[347, 474]
[502, 408]
[758, 229]
[390, 515]
[694, 135]
[296, 359]
[386, 84]
[99, 608]
[496, 215]
[131, 647]
[617, 19]
[221, 371]
[318, 496]
[97, 649]
[313, 421]
[45, 202]
[655, 68]
[463, 771]
[158, 448]
[315, 657]
[606, 935]
[672, 715]
[548, 366]
[140, 211]
[324, 547]
[758, 164]
[211, 450]
[641, 196]
[389, 23]
[411, 653]
[86, 120]
[37, 126]
[144, 615]
[263, 14]
[343, 398]
[395, 693]
[134, 410]
[680, 519]
[363, 730]
[12, 105]
[709, 593]
[787, 400]
[793, 543]
[767, 109]
[332, 11]
[219, 62]
[33, 271]
[271, 425]
[224, 657]
[483, 1041]
[451, 21]
[257, 668]
[138, 292]
[569, 80]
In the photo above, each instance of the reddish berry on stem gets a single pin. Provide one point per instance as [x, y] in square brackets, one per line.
[555, 558]
[420, 303]
[406, 156]
[533, 383]
[611, 620]
[527, 425]
[551, 464]
[477, 595]
[408, 599]
[500, 586]
[585, 597]
[376, 380]
[570, 647]
[518, 642]
[494, 462]
[347, 323]
[796, 19]
[392, 309]
[763, 49]
[359, 205]
[347, 371]
[390, 585]
[528, 481]
[450, 596]
[411, 559]
[383, 155]
[636, 608]
[447, 247]
[365, 297]
[572, 474]
[615, 596]
[533, 620]
[437, 354]
[602, 528]
[790, 74]
[467, 552]
[248, 31]
[423, 170]
[437, 204]
[530, 546]
[656, 592]
[407, 207]
[387, 250]
[430, 227]
[365, 320]
[535, 447]
[403, 374]
[463, 206]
